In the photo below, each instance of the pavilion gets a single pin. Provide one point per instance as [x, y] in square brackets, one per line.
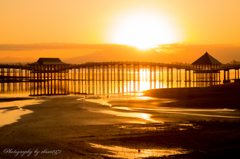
[49, 76]
[207, 70]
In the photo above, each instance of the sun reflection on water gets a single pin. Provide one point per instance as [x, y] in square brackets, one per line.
[123, 152]
[143, 116]
[11, 112]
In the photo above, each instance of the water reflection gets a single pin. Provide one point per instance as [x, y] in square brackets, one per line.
[128, 114]
[151, 110]
[11, 112]
[123, 152]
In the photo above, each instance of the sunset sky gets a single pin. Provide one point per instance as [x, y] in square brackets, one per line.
[62, 28]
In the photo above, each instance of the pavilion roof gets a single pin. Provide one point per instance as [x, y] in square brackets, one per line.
[206, 59]
[49, 61]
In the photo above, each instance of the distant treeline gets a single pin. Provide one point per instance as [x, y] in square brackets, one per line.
[234, 62]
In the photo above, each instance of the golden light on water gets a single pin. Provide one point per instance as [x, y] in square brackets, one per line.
[144, 30]
[144, 79]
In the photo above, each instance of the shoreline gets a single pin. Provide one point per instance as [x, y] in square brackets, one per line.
[7, 99]
[68, 126]
[217, 96]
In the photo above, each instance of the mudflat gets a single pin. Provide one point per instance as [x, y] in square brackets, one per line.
[217, 96]
[67, 126]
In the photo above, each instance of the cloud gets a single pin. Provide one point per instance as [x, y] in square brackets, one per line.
[54, 46]
[76, 53]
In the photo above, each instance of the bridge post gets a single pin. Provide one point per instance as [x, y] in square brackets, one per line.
[180, 77]
[85, 79]
[235, 73]
[155, 77]
[224, 75]
[118, 65]
[103, 79]
[79, 81]
[107, 78]
[171, 76]
[150, 76]
[44, 79]
[134, 78]
[138, 77]
[159, 76]
[90, 84]
[122, 78]
[238, 73]
[127, 68]
[177, 76]
[81, 70]
[189, 71]
[185, 77]
[130, 78]
[229, 75]
[97, 80]
[111, 78]
[48, 80]
[167, 76]
[114, 78]
[162, 76]
[93, 80]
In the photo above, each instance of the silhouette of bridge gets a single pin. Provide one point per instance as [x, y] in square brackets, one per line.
[51, 76]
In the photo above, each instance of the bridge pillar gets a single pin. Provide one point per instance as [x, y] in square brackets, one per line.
[155, 77]
[108, 79]
[150, 77]
[167, 77]
[226, 76]
[171, 77]
[123, 78]
[134, 77]
[114, 79]
[127, 77]
[138, 77]
[189, 71]
[162, 76]
[118, 77]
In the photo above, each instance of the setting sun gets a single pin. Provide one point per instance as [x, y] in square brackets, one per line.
[144, 30]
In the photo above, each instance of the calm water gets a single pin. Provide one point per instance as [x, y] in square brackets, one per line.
[11, 111]
[149, 113]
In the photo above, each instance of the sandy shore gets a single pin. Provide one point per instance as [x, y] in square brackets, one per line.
[64, 127]
[61, 123]
[14, 99]
[218, 96]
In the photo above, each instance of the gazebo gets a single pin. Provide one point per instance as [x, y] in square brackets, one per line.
[49, 76]
[207, 70]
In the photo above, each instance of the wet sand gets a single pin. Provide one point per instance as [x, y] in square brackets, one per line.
[218, 96]
[14, 99]
[65, 127]
[61, 123]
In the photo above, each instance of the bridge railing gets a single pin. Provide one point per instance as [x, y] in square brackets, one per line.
[87, 64]
[230, 66]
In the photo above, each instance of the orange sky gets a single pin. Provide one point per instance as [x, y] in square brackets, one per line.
[130, 22]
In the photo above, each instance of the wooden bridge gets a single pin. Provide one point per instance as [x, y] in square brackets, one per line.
[107, 77]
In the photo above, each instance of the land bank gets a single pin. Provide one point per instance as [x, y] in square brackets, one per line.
[217, 96]
[64, 127]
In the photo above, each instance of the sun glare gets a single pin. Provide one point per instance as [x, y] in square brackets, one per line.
[144, 31]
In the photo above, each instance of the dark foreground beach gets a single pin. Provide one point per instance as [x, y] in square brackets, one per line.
[71, 127]
[218, 96]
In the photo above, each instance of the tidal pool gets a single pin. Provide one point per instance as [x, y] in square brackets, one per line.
[151, 110]
[123, 152]
[12, 111]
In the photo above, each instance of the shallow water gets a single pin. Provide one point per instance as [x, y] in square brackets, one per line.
[12, 111]
[152, 109]
[123, 152]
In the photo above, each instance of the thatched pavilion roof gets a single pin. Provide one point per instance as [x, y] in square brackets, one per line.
[49, 61]
[206, 59]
